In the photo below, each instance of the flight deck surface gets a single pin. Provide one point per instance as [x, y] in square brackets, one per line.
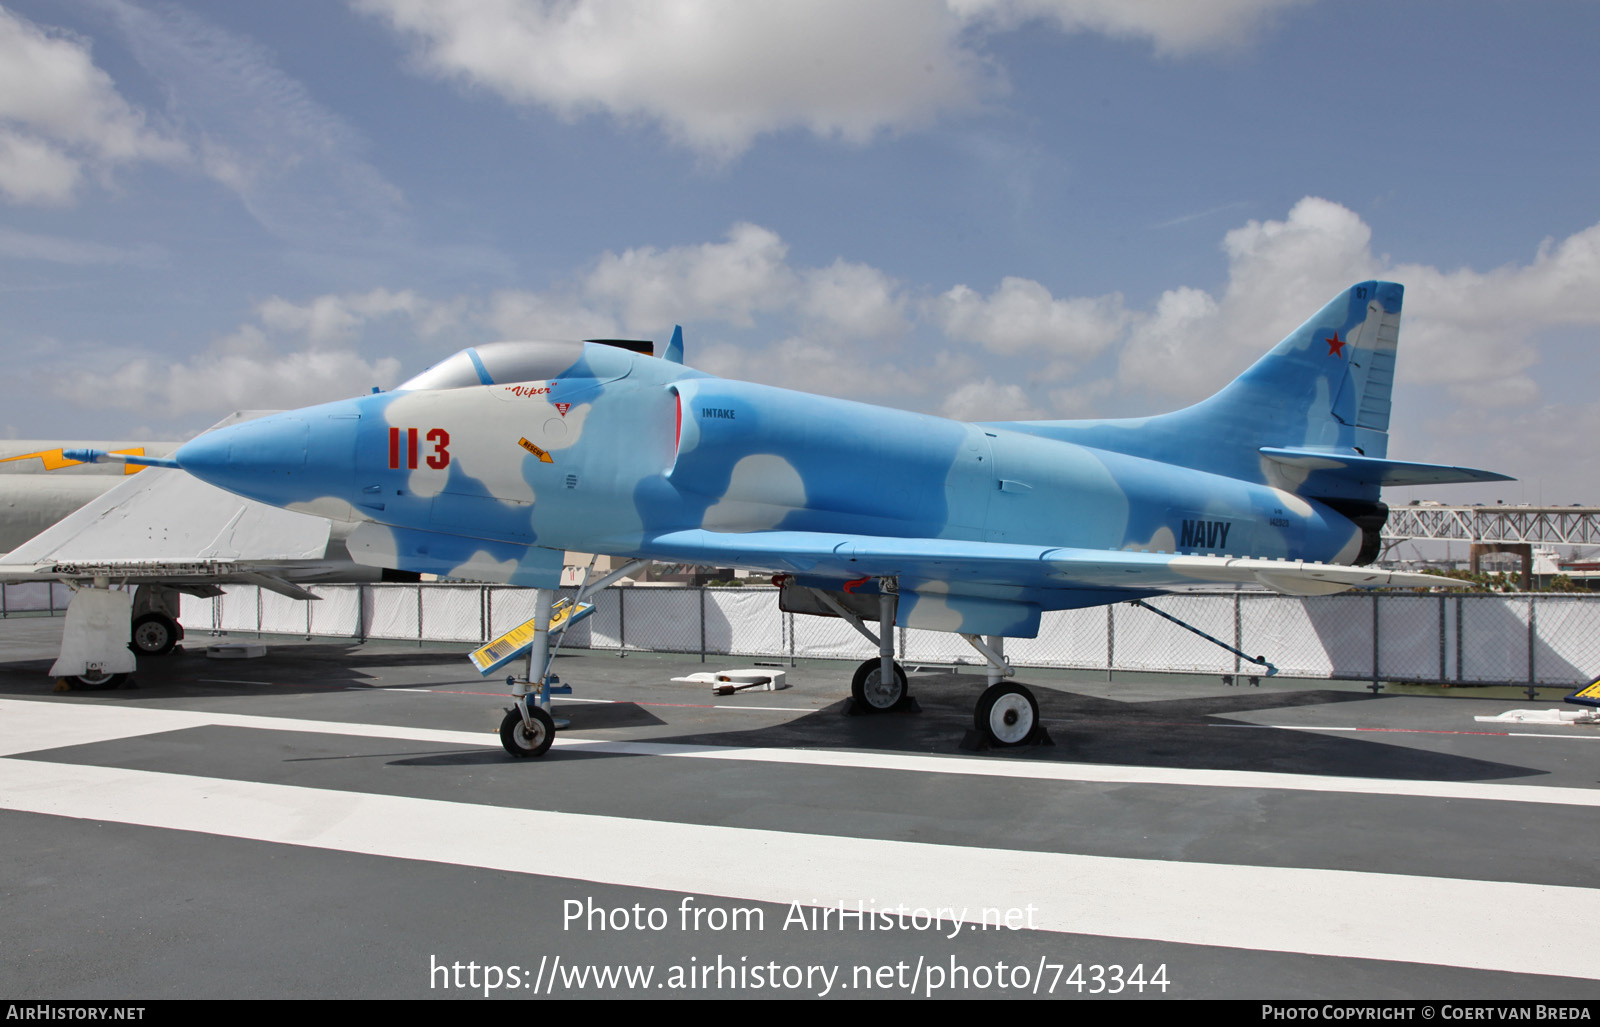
[339, 820]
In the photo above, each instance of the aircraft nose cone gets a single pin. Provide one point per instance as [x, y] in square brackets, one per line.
[279, 459]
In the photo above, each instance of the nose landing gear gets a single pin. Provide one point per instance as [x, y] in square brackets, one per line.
[527, 729]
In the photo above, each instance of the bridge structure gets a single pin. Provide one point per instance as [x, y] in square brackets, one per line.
[1545, 525]
[1495, 529]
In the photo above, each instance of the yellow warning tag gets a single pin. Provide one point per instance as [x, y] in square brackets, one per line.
[535, 450]
[497, 653]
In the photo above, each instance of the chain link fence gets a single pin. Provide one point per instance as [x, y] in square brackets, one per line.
[32, 598]
[1525, 639]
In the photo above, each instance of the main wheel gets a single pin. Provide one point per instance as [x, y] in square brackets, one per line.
[521, 740]
[154, 634]
[1007, 714]
[871, 692]
[99, 681]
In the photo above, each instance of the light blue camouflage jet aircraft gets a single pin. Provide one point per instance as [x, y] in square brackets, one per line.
[492, 463]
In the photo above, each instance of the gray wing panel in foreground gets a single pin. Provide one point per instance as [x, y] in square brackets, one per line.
[169, 518]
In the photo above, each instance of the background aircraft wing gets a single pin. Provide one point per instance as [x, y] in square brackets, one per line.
[167, 525]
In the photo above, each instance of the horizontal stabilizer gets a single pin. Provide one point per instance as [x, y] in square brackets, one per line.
[1369, 470]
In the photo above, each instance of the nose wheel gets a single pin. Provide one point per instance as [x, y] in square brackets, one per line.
[527, 737]
[1007, 715]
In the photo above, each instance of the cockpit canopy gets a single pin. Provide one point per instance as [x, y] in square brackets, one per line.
[496, 363]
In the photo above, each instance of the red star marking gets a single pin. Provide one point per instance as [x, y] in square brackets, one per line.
[1335, 345]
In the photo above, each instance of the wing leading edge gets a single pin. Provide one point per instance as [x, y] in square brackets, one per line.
[1041, 577]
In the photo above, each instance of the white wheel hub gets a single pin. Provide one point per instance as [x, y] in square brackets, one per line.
[1011, 718]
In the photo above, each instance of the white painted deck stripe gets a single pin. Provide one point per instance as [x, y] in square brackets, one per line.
[1317, 728]
[1485, 925]
[33, 726]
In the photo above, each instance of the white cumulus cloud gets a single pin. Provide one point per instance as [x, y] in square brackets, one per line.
[712, 73]
[854, 300]
[60, 116]
[1021, 315]
[334, 320]
[1172, 26]
[715, 74]
[243, 377]
[291, 355]
[728, 281]
[853, 330]
[989, 400]
[1472, 331]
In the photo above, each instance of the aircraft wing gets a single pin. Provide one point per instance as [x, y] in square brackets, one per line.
[985, 567]
[166, 525]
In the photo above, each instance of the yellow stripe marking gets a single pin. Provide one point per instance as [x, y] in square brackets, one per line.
[55, 459]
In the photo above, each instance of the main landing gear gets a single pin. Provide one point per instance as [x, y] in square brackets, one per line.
[156, 630]
[878, 685]
[154, 634]
[1007, 714]
[875, 693]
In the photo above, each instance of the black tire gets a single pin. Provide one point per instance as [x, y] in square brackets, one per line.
[873, 696]
[154, 634]
[98, 682]
[521, 742]
[1007, 715]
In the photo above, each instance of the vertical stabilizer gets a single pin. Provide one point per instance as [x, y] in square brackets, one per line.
[1324, 389]
[1326, 386]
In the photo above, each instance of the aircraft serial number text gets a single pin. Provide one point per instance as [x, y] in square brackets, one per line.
[406, 448]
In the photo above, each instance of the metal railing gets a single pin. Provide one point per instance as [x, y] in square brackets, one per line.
[1529, 639]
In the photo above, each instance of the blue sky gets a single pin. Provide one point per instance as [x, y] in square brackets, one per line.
[987, 209]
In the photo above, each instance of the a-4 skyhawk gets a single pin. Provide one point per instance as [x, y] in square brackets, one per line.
[492, 463]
